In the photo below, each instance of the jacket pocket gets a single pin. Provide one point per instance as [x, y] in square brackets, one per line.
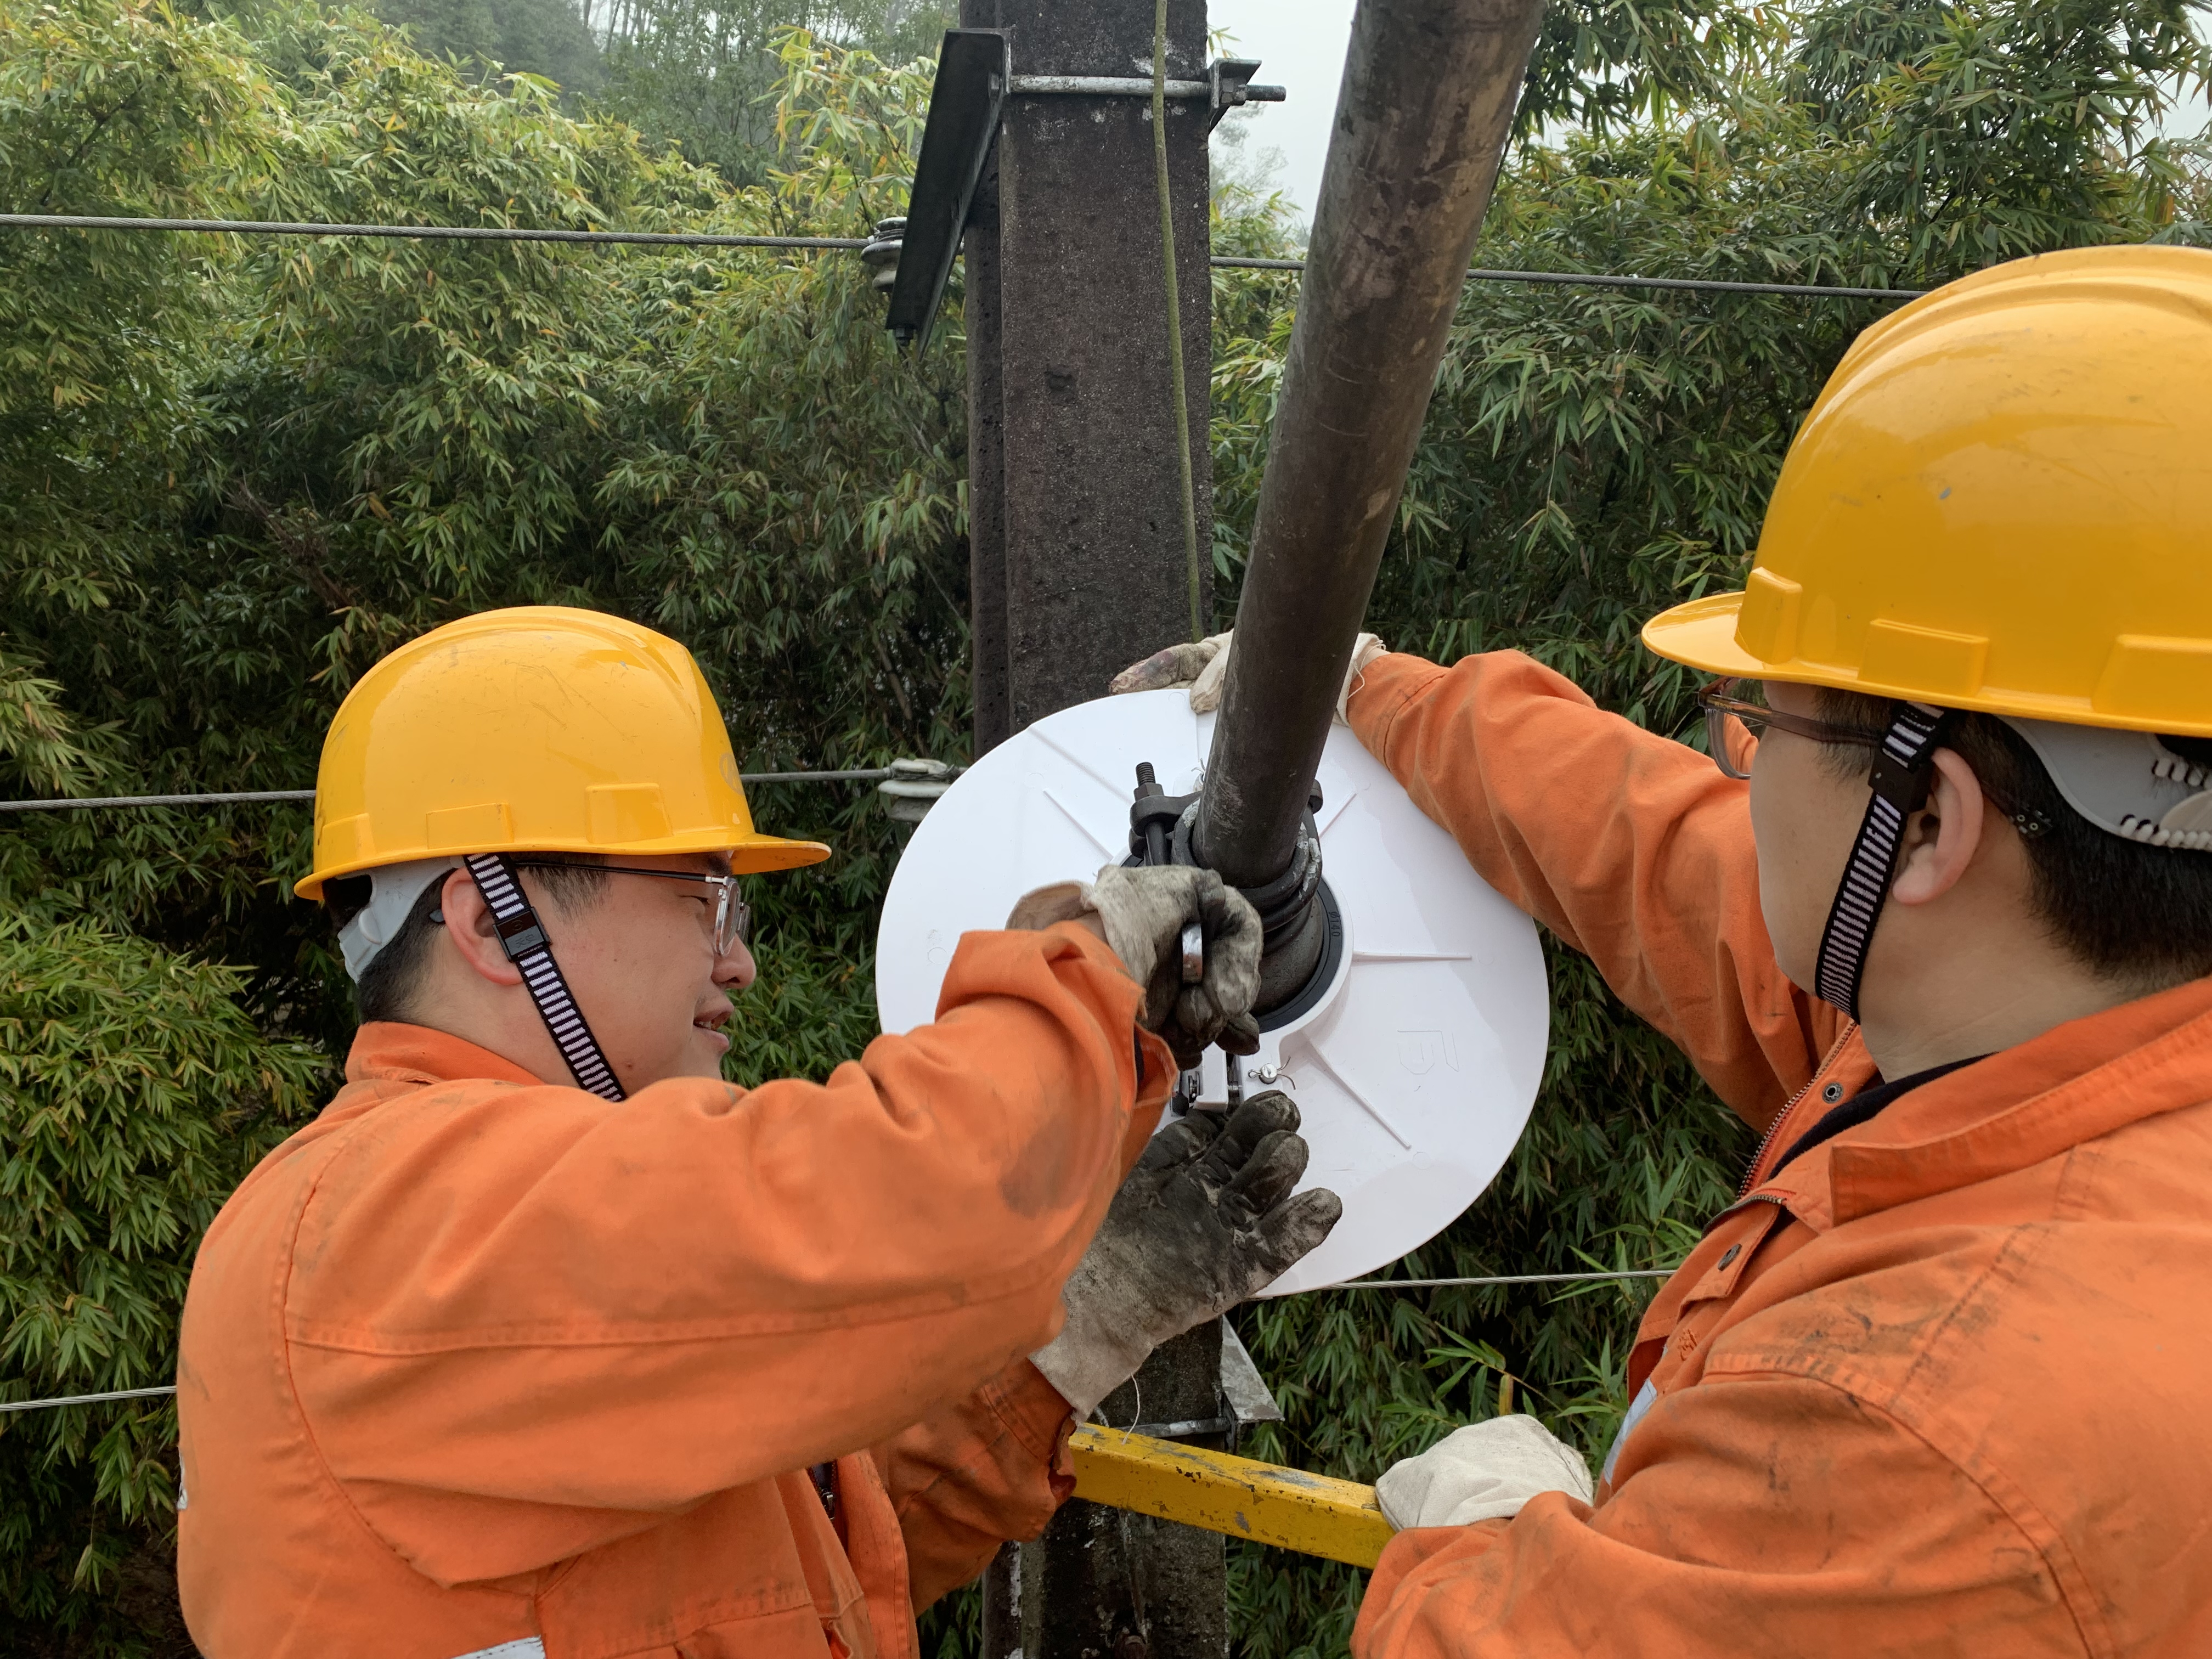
[789, 1633]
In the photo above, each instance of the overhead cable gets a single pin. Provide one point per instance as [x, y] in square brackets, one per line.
[156, 800]
[85, 1399]
[1496, 1278]
[1584, 279]
[427, 232]
[853, 244]
[847, 775]
[1348, 1285]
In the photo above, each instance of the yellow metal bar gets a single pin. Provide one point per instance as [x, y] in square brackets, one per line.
[1311, 1514]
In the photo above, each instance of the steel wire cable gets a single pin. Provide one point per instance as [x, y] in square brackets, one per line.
[1496, 1278]
[847, 775]
[427, 233]
[1588, 279]
[1349, 1285]
[852, 244]
[86, 1399]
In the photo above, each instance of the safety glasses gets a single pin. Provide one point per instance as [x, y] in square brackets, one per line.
[734, 917]
[1720, 704]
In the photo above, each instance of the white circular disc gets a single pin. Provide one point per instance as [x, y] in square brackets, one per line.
[1414, 1075]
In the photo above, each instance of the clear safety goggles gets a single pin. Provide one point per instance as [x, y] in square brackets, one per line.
[734, 917]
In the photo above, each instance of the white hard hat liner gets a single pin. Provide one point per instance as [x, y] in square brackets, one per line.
[2126, 782]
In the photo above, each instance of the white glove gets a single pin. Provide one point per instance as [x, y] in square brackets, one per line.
[1484, 1472]
[1204, 1221]
[1143, 912]
[1203, 667]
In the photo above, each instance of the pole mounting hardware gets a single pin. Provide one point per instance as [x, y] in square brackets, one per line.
[914, 787]
[912, 257]
[1228, 84]
[973, 69]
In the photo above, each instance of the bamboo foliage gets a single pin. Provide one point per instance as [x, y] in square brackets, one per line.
[235, 472]
[134, 1094]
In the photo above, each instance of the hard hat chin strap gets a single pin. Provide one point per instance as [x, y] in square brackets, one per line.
[1903, 769]
[523, 938]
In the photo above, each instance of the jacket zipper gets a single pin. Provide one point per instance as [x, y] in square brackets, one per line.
[1774, 1127]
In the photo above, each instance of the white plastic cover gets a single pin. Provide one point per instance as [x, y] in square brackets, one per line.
[1414, 1073]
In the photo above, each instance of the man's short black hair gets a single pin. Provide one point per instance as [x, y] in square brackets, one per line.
[386, 991]
[2138, 915]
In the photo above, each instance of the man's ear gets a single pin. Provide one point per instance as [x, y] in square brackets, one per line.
[1941, 839]
[469, 925]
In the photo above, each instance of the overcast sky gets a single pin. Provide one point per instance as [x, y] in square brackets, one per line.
[1300, 44]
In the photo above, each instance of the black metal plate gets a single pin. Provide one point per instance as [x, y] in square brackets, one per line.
[963, 120]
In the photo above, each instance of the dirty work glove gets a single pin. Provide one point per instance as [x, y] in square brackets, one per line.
[1204, 1221]
[1143, 912]
[1484, 1472]
[1203, 667]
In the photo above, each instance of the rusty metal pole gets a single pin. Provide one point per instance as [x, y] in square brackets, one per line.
[1427, 102]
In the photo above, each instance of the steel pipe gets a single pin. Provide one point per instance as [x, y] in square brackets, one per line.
[1422, 120]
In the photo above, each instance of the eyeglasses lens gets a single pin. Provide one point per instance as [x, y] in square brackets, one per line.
[733, 921]
[1728, 694]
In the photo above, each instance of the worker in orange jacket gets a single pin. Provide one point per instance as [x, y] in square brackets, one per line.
[543, 1342]
[1934, 914]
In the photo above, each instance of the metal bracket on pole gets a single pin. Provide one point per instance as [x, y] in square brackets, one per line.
[973, 69]
[1230, 81]
[914, 256]
[1228, 84]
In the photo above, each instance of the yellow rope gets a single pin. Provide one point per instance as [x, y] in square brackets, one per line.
[1179, 389]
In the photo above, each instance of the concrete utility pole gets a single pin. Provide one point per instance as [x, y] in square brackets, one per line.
[1078, 570]
[1076, 504]
[1079, 566]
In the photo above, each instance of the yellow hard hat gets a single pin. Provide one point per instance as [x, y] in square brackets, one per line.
[539, 729]
[2002, 501]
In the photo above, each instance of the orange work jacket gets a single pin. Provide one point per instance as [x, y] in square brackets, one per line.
[1939, 1386]
[474, 1360]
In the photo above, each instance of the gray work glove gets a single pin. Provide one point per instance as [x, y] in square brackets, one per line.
[1205, 1220]
[1484, 1472]
[1203, 667]
[1143, 912]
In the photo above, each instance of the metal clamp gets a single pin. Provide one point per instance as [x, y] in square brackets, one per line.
[1230, 80]
[1228, 84]
[1189, 1428]
[914, 787]
[1242, 1390]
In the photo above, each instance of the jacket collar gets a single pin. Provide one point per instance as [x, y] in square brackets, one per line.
[2077, 1081]
[385, 1051]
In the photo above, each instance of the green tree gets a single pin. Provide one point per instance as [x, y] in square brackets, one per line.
[235, 472]
[134, 1095]
[702, 74]
[548, 38]
[268, 461]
